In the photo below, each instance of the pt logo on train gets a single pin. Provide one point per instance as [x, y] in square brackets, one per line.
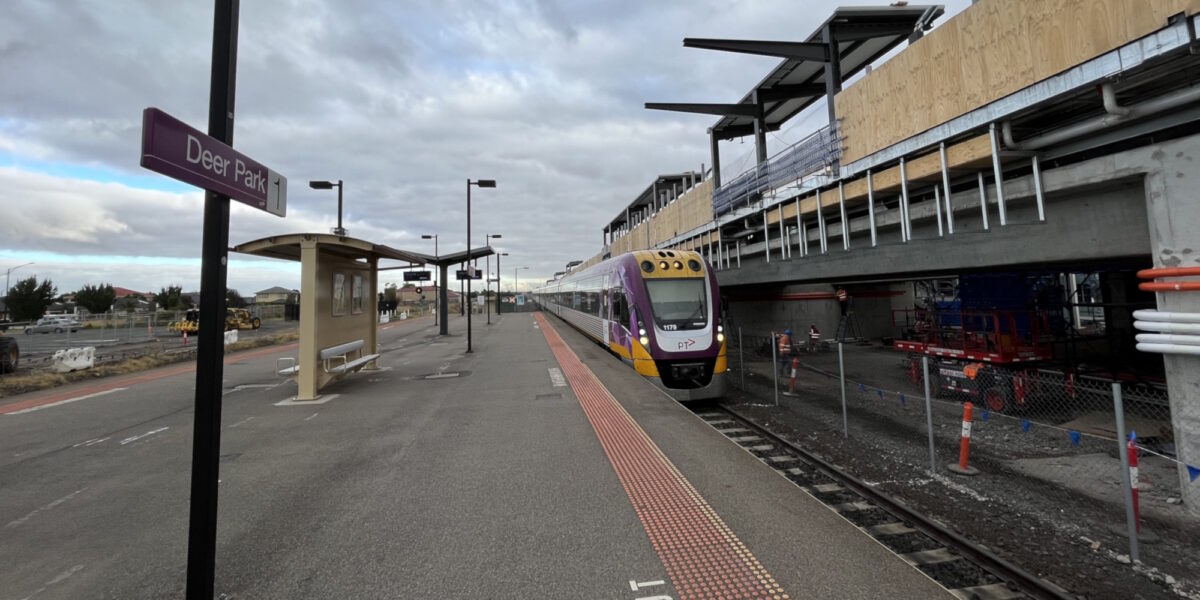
[688, 343]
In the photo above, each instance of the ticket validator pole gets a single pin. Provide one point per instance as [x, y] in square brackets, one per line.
[206, 439]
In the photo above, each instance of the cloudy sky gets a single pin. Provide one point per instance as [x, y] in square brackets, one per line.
[403, 100]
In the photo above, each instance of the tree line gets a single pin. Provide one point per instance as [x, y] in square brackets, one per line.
[29, 299]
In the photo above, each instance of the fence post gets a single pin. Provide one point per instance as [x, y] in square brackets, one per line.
[741, 359]
[774, 369]
[842, 375]
[929, 415]
[1126, 484]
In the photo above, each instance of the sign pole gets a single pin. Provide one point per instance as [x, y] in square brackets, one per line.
[206, 439]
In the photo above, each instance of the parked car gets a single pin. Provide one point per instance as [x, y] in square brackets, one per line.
[54, 325]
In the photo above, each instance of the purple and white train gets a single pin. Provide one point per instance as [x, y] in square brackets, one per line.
[658, 310]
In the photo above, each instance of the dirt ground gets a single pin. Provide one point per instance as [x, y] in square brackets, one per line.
[1041, 500]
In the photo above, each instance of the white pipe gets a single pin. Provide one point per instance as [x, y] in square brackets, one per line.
[1136, 111]
[1160, 338]
[1109, 98]
[1188, 328]
[1149, 314]
[1169, 349]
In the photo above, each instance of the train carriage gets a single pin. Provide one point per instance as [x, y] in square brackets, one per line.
[656, 309]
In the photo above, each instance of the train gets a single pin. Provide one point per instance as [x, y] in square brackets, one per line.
[658, 310]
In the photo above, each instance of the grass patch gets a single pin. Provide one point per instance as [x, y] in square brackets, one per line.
[11, 385]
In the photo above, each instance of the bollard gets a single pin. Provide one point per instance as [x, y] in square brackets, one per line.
[185, 338]
[791, 391]
[964, 448]
[1132, 450]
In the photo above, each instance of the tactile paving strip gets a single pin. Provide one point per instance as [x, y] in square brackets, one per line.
[703, 558]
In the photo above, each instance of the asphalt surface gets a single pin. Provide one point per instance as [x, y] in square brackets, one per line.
[442, 475]
[35, 345]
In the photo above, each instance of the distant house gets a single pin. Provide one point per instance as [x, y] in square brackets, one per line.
[126, 292]
[273, 294]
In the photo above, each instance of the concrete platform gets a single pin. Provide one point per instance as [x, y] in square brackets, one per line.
[442, 475]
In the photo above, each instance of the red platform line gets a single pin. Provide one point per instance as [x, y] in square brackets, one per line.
[702, 556]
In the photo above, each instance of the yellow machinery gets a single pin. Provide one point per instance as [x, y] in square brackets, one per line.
[239, 318]
[190, 324]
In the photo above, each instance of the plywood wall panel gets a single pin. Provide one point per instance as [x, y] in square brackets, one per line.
[991, 49]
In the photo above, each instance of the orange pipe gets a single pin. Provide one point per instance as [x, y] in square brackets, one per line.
[1168, 272]
[964, 447]
[1167, 286]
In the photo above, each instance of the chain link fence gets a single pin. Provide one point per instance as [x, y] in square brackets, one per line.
[1045, 441]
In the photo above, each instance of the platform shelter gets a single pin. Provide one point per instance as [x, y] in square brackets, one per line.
[339, 291]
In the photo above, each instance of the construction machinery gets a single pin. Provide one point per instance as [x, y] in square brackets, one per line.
[189, 324]
[241, 319]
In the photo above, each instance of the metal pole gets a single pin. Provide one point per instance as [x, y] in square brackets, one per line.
[929, 415]
[845, 225]
[468, 298]
[871, 207]
[1126, 484]
[999, 173]
[487, 286]
[983, 200]
[821, 224]
[799, 229]
[842, 373]
[946, 188]
[340, 230]
[741, 359]
[439, 285]
[774, 369]
[937, 203]
[783, 244]
[1037, 188]
[905, 223]
[206, 434]
[766, 237]
[498, 284]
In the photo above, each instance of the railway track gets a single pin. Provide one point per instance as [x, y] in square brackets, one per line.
[968, 570]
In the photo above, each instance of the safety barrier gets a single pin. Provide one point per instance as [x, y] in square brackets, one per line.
[73, 359]
[231, 337]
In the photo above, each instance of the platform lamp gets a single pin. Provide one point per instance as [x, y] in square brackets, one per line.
[498, 281]
[329, 185]
[8, 286]
[487, 277]
[516, 287]
[483, 183]
[437, 292]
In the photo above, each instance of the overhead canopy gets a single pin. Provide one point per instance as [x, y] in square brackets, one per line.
[646, 198]
[861, 35]
[287, 247]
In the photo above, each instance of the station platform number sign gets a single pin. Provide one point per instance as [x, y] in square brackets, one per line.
[417, 276]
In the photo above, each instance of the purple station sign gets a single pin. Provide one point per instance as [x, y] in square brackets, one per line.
[174, 149]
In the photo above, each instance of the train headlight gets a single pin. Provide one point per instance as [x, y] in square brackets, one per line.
[663, 265]
[641, 332]
[678, 265]
[720, 329]
[720, 337]
[644, 340]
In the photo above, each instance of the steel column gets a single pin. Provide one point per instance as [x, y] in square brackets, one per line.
[782, 242]
[983, 200]
[905, 223]
[946, 188]
[999, 174]
[821, 225]
[799, 229]
[845, 225]
[766, 237]
[716, 160]
[871, 208]
[1037, 189]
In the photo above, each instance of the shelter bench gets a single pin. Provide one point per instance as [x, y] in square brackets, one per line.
[336, 360]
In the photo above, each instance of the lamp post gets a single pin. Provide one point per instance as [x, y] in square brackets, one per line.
[8, 286]
[498, 281]
[437, 301]
[483, 183]
[516, 287]
[329, 185]
[487, 278]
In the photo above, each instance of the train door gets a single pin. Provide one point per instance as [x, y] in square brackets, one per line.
[605, 317]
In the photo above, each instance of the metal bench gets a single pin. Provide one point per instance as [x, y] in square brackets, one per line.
[335, 360]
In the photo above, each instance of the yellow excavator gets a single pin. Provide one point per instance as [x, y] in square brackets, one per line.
[239, 318]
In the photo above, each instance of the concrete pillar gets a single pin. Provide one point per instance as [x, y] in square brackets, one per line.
[443, 299]
[716, 159]
[1171, 185]
[309, 359]
[373, 305]
[760, 131]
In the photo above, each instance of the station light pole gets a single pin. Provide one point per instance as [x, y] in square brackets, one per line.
[8, 286]
[516, 287]
[498, 281]
[437, 290]
[329, 185]
[487, 277]
[483, 183]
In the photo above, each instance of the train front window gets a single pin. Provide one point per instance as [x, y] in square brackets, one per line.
[678, 303]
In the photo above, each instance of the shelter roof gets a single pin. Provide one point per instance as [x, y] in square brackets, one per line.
[863, 34]
[287, 247]
[646, 198]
